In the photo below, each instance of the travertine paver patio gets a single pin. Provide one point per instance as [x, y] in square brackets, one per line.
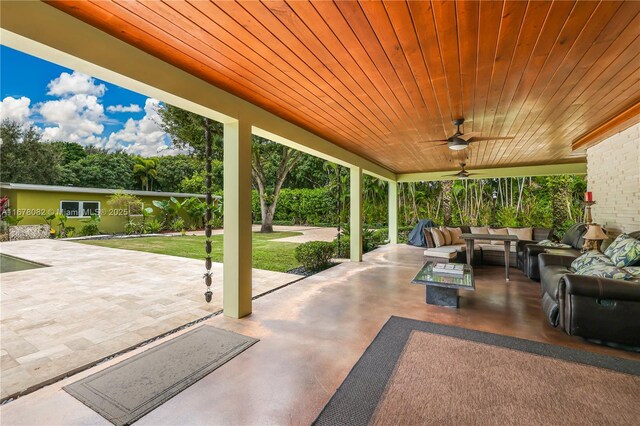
[95, 301]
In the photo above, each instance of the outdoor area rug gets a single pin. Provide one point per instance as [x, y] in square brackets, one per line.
[417, 372]
[128, 390]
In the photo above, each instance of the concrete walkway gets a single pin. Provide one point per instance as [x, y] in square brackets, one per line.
[309, 233]
[95, 301]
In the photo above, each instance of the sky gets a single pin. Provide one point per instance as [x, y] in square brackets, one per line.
[70, 106]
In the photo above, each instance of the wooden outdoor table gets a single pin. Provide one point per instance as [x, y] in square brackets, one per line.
[470, 239]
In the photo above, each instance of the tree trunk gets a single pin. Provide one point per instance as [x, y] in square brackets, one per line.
[447, 189]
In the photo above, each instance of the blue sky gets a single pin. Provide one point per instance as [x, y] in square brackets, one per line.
[66, 105]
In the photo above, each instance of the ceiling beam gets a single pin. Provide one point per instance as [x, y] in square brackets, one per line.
[616, 124]
[41, 30]
[541, 170]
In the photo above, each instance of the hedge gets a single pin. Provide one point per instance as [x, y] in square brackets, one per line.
[301, 207]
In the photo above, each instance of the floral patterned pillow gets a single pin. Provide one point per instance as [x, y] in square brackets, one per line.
[599, 269]
[549, 243]
[624, 251]
[589, 258]
[635, 273]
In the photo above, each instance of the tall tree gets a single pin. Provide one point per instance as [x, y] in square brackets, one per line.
[271, 163]
[447, 198]
[146, 170]
[190, 131]
[25, 159]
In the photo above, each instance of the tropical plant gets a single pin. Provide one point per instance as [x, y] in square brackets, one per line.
[195, 209]
[177, 224]
[90, 226]
[126, 204]
[315, 255]
[146, 171]
[153, 226]
[13, 220]
[133, 227]
[169, 209]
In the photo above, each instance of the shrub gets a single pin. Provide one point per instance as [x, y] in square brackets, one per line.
[87, 230]
[153, 227]
[132, 227]
[315, 255]
[177, 224]
[344, 251]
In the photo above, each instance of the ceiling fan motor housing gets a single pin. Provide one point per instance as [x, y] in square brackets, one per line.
[457, 143]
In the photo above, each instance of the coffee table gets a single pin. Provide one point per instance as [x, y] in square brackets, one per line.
[442, 289]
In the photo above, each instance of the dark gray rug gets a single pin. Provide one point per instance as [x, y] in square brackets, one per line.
[356, 400]
[128, 390]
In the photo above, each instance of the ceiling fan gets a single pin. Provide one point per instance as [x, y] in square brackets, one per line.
[461, 140]
[462, 174]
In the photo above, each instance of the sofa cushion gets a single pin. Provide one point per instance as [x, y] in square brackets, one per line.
[589, 258]
[438, 238]
[455, 235]
[574, 234]
[446, 235]
[494, 248]
[444, 252]
[480, 230]
[498, 231]
[549, 243]
[599, 269]
[428, 238]
[624, 250]
[522, 233]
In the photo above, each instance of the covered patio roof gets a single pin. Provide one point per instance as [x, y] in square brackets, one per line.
[375, 79]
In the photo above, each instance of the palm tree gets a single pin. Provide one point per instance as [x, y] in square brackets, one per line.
[145, 170]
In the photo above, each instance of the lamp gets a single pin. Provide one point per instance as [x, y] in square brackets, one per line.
[593, 238]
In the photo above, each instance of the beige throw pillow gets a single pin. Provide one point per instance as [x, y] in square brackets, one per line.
[499, 231]
[446, 235]
[480, 230]
[521, 233]
[438, 238]
[455, 235]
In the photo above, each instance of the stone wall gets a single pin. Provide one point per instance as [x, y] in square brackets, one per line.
[28, 232]
[613, 175]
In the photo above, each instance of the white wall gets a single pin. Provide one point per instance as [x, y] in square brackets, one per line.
[613, 175]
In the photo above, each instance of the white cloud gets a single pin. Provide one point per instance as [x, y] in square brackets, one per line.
[143, 137]
[77, 118]
[75, 84]
[15, 109]
[122, 108]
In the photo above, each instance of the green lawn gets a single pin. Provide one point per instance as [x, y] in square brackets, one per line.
[267, 254]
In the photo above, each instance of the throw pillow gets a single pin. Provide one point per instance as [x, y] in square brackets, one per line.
[549, 243]
[455, 235]
[599, 269]
[590, 258]
[480, 230]
[500, 231]
[625, 251]
[438, 238]
[428, 238]
[521, 233]
[634, 271]
[446, 235]
[614, 244]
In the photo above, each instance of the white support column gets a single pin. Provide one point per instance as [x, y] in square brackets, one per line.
[393, 212]
[237, 220]
[355, 205]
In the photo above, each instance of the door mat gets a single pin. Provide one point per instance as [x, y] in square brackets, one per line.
[128, 390]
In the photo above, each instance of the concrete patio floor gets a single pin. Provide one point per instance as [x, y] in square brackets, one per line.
[96, 301]
[311, 334]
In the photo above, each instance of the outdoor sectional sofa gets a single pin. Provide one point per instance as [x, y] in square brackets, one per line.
[484, 252]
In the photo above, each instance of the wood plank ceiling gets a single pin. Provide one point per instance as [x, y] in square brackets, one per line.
[380, 78]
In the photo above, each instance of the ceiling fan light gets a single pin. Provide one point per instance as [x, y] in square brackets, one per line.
[457, 146]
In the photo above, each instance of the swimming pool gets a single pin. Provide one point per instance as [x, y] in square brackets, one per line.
[12, 264]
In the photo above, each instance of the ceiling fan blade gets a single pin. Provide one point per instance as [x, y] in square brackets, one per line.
[489, 138]
[436, 146]
[469, 135]
[437, 140]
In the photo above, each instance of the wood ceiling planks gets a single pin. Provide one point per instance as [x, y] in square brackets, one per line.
[381, 78]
